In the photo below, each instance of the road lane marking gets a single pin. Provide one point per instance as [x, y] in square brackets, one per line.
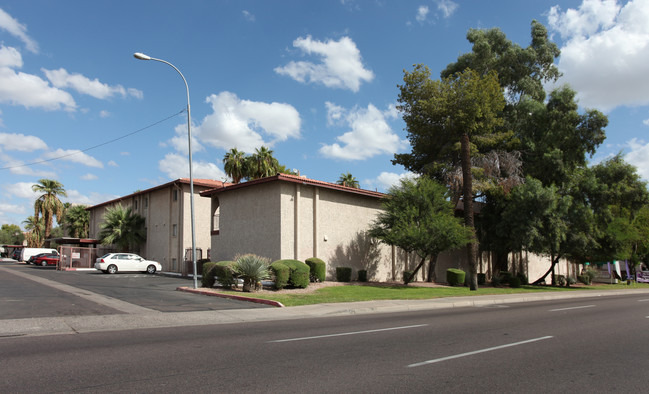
[437, 360]
[347, 333]
[643, 300]
[574, 307]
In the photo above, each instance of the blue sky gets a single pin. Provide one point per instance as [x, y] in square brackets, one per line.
[314, 81]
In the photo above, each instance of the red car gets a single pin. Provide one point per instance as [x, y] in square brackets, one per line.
[47, 259]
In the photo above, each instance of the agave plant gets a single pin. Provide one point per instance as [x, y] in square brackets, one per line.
[252, 269]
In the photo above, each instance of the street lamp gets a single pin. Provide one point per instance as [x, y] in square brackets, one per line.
[142, 56]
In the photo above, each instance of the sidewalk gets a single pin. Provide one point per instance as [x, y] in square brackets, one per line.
[85, 324]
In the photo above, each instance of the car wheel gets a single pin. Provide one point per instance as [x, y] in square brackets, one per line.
[44, 263]
[112, 269]
[150, 269]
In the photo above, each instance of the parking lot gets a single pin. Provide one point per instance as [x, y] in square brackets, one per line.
[31, 291]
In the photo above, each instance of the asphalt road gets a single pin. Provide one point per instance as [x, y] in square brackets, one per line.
[580, 345]
[32, 291]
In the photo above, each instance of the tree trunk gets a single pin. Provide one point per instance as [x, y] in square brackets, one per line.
[414, 273]
[551, 270]
[431, 268]
[467, 197]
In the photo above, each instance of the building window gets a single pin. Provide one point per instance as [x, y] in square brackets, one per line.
[216, 211]
[135, 204]
[175, 195]
[174, 230]
[146, 202]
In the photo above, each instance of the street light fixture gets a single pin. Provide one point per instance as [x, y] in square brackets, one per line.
[142, 56]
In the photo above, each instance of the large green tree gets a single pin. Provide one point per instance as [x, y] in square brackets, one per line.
[48, 204]
[123, 228]
[234, 164]
[460, 111]
[77, 220]
[35, 228]
[11, 234]
[418, 217]
[347, 179]
[262, 164]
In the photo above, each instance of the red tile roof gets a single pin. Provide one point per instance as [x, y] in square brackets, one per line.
[292, 179]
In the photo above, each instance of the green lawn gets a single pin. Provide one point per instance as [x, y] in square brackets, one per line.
[368, 293]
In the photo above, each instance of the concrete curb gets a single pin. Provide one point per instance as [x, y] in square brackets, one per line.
[232, 297]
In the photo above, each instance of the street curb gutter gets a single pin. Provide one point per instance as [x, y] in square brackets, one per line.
[231, 296]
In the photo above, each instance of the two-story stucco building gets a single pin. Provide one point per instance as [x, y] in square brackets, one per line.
[167, 214]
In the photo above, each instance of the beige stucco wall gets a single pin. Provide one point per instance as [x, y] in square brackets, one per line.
[248, 223]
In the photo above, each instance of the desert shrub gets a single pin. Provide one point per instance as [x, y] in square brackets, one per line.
[496, 281]
[362, 275]
[585, 279]
[482, 278]
[208, 278]
[298, 273]
[505, 276]
[570, 281]
[560, 280]
[455, 277]
[344, 274]
[281, 272]
[515, 282]
[252, 269]
[224, 272]
[523, 278]
[591, 273]
[318, 269]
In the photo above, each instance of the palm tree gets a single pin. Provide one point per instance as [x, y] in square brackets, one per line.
[348, 180]
[262, 163]
[35, 229]
[48, 204]
[122, 227]
[77, 220]
[234, 164]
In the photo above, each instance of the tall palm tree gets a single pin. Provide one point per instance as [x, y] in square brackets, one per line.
[234, 164]
[122, 228]
[262, 163]
[35, 228]
[348, 180]
[48, 204]
[77, 220]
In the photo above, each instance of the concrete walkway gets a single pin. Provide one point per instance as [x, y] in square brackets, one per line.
[139, 319]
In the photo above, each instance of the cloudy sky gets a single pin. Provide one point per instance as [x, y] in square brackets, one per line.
[314, 81]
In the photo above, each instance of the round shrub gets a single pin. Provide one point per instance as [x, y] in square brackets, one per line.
[515, 282]
[298, 273]
[344, 274]
[225, 275]
[281, 273]
[523, 278]
[482, 279]
[208, 278]
[505, 276]
[362, 275]
[318, 269]
[455, 277]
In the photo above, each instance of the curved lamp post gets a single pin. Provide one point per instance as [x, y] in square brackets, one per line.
[142, 56]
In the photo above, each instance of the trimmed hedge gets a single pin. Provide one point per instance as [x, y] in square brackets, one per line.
[298, 273]
[515, 282]
[208, 278]
[224, 272]
[455, 277]
[362, 275]
[482, 279]
[344, 274]
[318, 269]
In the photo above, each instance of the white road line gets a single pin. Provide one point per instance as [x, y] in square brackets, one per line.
[437, 360]
[347, 333]
[574, 307]
[643, 300]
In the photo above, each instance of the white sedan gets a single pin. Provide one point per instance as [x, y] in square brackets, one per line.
[126, 262]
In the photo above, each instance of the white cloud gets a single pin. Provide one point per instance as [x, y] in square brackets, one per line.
[388, 179]
[341, 65]
[422, 13]
[75, 197]
[17, 29]
[179, 141]
[22, 190]
[606, 51]
[447, 7]
[74, 155]
[370, 134]
[639, 156]
[62, 79]
[177, 166]
[12, 208]
[32, 91]
[21, 142]
[248, 16]
[104, 114]
[243, 123]
[112, 163]
[89, 177]
[10, 57]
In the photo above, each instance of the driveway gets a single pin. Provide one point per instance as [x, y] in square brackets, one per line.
[30, 291]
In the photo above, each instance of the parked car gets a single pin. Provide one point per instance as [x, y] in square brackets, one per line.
[112, 263]
[46, 259]
[26, 253]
